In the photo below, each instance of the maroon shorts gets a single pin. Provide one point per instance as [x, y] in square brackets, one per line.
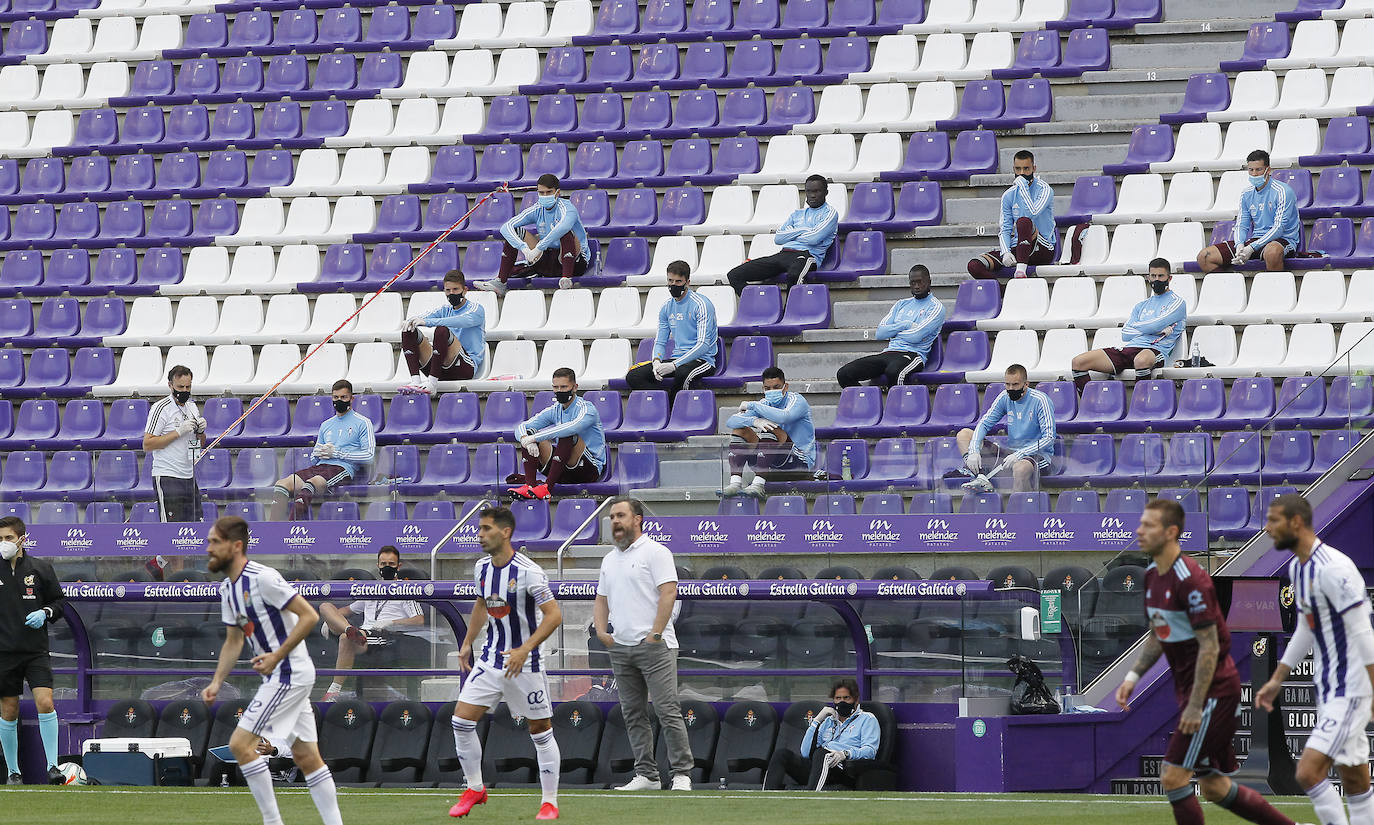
[332, 474]
[1123, 358]
[1228, 248]
[460, 370]
[1212, 749]
[583, 472]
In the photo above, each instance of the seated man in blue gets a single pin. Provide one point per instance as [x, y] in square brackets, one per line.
[565, 442]
[842, 735]
[689, 320]
[1030, 436]
[1267, 222]
[459, 339]
[558, 226]
[344, 447]
[912, 325]
[775, 434]
[804, 239]
[1150, 334]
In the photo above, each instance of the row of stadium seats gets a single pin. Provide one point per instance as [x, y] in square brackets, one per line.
[1338, 191]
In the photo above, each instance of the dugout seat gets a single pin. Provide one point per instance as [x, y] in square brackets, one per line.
[747, 733]
[792, 727]
[226, 718]
[883, 775]
[703, 728]
[441, 760]
[577, 726]
[132, 718]
[615, 762]
[346, 740]
[398, 750]
[508, 757]
[188, 718]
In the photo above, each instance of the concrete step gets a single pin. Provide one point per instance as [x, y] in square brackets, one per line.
[1083, 159]
[1153, 55]
[1143, 108]
[1251, 10]
[987, 210]
[694, 472]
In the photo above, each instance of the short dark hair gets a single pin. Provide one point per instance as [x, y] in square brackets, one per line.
[919, 269]
[500, 516]
[565, 372]
[1018, 370]
[176, 372]
[821, 180]
[456, 276]
[390, 548]
[1290, 504]
[680, 268]
[848, 683]
[549, 180]
[772, 372]
[636, 506]
[1170, 512]
[15, 523]
[1160, 263]
[1258, 154]
[1024, 154]
[342, 384]
[233, 528]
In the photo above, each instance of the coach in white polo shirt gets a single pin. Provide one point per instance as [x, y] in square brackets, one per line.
[636, 593]
[175, 431]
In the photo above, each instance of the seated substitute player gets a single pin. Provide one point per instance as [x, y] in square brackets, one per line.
[30, 599]
[457, 343]
[344, 446]
[1267, 222]
[558, 226]
[510, 665]
[775, 434]
[690, 321]
[257, 604]
[380, 618]
[1026, 227]
[1148, 337]
[1030, 437]
[842, 736]
[805, 237]
[565, 442]
[912, 325]
[1190, 632]
[1328, 589]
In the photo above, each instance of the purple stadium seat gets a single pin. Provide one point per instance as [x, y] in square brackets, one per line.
[103, 316]
[623, 257]
[1083, 13]
[16, 316]
[759, 306]
[1201, 401]
[1288, 457]
[386, 261]
[859, 409]
[757, 17]
[1152, 403]
[646, 412]
[1228, 508]
[388, 25]
[1206, 92]
[926, 152]
[965, 351]
[845, 55]
[954, 406]
[984, 503]
[1028, 101]
[1344, 137]
[26, 37]
[563, 67]
[500, 163]
[834, 504]
[501, 412]
[1301, 398]
[1338, 188]
[1077, 501]
[1251, 403]
[1332, 447]
[1237, 456]
[610, 66]
[703, 62]
[241, 76]
[1038, 502]
[553, 114]
[1092, 195]
[453, 165]
[808, 307]
[1089, 460]
[441, 510]
[143, 125]
[614, 19]
[750, 355]
[381, 70]
[792, 105]
[296, 27]
[983, 100]
[1265, 40]
[326, 119]
[334, 73]
[734, 156]
[1350, 398]
[286, 74]
[89, 175]
[919, 203]
[1038, 50]
[36, 419]
[398, 213]
[69, 476]
[199, 76]
[975, 301]
[1190, 457]
[9, 175]
[905, 410]
[1332, 238]
[870, 206]
[975, 152]
[1363, 253]
[693, 413]
[134, 174]
[801, 59]
[251, 28]
[1132, 12]
[341, 28]
[205, 31]
[42, 176]
[596, 161]
[657, 63]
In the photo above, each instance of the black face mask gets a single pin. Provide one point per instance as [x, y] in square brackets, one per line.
[677, 290]
[844, 709]
[1015, 395]
[341, 406]
[564, 397]
[456, 301]
[388, 572]
[181, 396]
[1160, 287]
[1028, 178]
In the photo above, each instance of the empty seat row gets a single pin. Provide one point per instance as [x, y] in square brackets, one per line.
[1322, 44]
[305, 30]
[1201, 145]
[1338, 190]
[898, 107]
[101, 178]
[1259, 95]
[1155, 405]
[43, 9]
[126, 222]
[63, 85]
[620, 20]
[949, 57]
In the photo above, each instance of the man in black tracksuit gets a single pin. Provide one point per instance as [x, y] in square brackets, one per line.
[30, 599]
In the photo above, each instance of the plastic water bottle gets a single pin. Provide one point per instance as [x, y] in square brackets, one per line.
[724, 786]
[1066, 699]
[846, 472]
[1197, 355]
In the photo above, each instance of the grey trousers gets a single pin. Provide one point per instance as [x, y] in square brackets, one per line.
[643, 673]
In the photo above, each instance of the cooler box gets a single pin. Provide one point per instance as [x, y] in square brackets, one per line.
[138, 761]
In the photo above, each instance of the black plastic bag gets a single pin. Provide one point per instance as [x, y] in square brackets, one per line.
[1030, 694]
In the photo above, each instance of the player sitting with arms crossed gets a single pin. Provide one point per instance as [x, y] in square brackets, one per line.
[512, 591]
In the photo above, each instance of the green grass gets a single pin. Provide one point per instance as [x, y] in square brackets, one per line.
[234, 806]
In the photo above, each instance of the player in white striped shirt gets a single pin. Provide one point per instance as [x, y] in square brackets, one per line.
[518, 611]
[1334, 627]
[258, 604]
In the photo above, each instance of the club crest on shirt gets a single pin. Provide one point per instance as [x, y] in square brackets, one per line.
[497, 607]
[510, 585]
[29, 581]
[1161, 627]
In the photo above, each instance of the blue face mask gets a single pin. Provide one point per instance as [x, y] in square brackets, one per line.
[773, 396]
[1257, 181]
[547, 201]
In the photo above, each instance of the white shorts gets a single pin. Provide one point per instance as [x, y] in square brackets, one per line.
[1339, 732]
[527, 693]
[281, 714]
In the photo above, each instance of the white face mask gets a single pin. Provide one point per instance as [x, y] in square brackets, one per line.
[8, 550]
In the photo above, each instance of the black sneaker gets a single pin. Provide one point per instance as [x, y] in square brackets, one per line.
[15, 779]
[55, 776]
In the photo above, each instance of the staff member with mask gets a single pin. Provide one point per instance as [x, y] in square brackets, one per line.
[1150, 334]
[1267, 222]
[565, 442]
[842, 737]
[1030, 437]
[380, 616]
[689, 320]
[174, 434]
[457, 342]
[30, 600]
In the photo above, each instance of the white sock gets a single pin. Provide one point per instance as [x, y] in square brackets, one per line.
[469, 749]
[546, 751]
[1327, 803]
[260, 783]
[1361, 808]
[322, 790]
[736, 479]
[758, 480]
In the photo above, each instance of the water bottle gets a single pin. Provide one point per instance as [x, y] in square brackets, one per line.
[724, 786]
[1196, 360]
[845, 472]
[1066, 699]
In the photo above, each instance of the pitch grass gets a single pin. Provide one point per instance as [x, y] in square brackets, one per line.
[234, 806]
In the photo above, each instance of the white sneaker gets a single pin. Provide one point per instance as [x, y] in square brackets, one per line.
[681, 782]
[492, 285]
[415, 386]
[731, 489]
[755, 491]
[639, 783]
[981, 484]
[431, 385]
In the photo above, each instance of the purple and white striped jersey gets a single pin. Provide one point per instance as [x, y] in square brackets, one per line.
[255, 602]
[513, 594]
[1330, 594]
